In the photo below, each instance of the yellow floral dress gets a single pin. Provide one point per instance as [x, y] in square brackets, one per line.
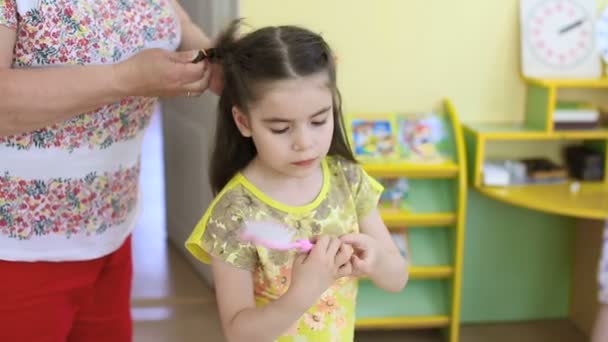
[347, 195]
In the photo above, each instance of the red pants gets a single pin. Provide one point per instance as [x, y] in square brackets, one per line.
[80, 301]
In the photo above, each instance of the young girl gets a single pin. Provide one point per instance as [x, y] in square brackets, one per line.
[281, 155]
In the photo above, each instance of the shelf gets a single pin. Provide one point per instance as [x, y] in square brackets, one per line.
[447, 169]
[397, 220]
[519, 131]
[403, 322]
[590, 202]
[423, 303]
[431, 272]
[570, 83]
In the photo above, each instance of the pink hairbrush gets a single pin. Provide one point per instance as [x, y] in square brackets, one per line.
[273, 236]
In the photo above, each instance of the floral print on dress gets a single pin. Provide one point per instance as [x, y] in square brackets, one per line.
[8, 13]
[119, 121]
[351, 191]
[88, 206]
[81, 32]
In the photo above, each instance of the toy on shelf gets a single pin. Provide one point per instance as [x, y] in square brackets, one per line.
[401, 241]
[395, 195]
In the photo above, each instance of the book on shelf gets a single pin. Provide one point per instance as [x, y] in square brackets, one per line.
[575, 115]
[399, 137]
[522, 172]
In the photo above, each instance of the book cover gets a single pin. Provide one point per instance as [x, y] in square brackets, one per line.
[373, 136]
[422, 138]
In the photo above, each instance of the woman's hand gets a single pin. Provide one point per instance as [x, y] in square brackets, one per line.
[161, 73]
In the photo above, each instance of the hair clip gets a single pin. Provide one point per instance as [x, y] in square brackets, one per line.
[210, 54]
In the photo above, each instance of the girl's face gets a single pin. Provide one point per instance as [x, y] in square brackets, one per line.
[291, 125]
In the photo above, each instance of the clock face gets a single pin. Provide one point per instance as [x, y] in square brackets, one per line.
[560, 33]
[602, 34]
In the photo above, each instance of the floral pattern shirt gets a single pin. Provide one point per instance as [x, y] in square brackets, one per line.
[347, 195]
[69, 191]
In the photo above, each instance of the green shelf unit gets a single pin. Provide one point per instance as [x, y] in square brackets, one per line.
[433, 221]
[425, 298]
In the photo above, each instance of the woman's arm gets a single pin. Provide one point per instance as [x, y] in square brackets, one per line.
[193, 38]
[38, 97]
[241, 320]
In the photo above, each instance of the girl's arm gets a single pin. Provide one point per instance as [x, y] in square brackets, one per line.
[380, 259]
[38, 97]
[241, 320]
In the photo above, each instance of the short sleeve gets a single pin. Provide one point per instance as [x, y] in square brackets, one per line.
[8, 13]
[217, 235]
[365, 189]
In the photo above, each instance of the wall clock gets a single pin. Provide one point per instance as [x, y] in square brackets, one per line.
[558, 39]
[602, 34]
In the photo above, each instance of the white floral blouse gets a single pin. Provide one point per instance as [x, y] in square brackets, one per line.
[70, 191]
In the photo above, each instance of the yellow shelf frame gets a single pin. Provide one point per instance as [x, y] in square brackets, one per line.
[411, 170]
[590, 201]
[521, 133]
[418, 322]
[569, 83]
[431, 272]
[399, 220]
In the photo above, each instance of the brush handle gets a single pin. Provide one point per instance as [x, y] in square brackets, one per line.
[303, 245]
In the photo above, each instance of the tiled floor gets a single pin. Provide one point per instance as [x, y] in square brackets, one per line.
[170, 303]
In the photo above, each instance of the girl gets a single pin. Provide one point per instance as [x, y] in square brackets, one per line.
[281, 155]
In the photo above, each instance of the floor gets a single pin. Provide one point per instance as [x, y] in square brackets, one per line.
[171, 303]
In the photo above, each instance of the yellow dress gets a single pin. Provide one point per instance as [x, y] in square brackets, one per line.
[347, 195]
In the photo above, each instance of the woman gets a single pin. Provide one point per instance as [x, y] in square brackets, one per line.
[79, 81]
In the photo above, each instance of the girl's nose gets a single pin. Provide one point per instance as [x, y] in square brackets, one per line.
[302, 141]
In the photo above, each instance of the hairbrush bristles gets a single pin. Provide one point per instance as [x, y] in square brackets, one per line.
[273, 235]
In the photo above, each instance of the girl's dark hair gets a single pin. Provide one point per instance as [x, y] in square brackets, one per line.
[265, 55]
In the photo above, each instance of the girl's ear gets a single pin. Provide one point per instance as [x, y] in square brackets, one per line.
[242, 122]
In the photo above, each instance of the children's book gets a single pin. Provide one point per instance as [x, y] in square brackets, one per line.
[399, 137]
[373, 136]
[422, 138]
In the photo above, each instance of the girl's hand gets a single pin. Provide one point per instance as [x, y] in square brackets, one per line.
[315, 272]
[365, 254]
[158, 72]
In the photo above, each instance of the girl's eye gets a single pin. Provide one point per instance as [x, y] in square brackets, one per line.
[319, 123]
[279, 131]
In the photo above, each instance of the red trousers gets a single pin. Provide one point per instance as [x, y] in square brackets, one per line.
[79, 301]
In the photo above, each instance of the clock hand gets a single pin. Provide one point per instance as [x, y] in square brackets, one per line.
[572, 26]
